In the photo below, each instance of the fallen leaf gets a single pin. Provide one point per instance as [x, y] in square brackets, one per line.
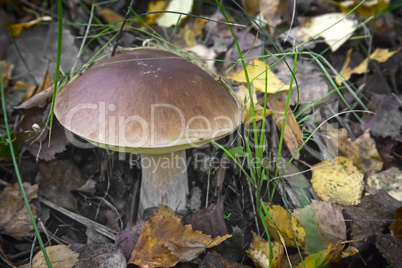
[371, 159]
[341, 144]
[260, 252]
[338, 179]
[244, 98]
[389, 180]
[292, 134]
[286, 229]
[365, 8]
[334, 28]
[46, 83]
[100, 256]
[324, 225]
[272, 12]
[16, 29]
[128, 238]
[210, 220]
[56, 181]
[396, 225]
[155, 6]
[323, 257]
[257, 72]
[330, 221]
[213, 259]
[373, 214]
[39, 54]
[14, 218]
[380, 55]
[314, 238]
[164, 242]
[362, 152]
[61, 256]
[311, 84]
[390, 248]
[6, 70]
[169, 19]
[387, 119]
[109, 16]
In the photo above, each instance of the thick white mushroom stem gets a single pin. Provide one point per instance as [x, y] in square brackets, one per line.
[164, 180]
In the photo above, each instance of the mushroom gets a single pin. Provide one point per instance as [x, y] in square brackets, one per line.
[154, 103]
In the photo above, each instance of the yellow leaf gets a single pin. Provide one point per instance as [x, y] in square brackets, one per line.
[323, 257]
[259, 252]
[110, 17]
[365, 8]
[164, 241]
[334, 28]
[60, 256]
[280, 217]
[155, 6]
[380, 55]
[16, 29]
[256, 73]
[243, 97]
[338, 179]
[46, 83]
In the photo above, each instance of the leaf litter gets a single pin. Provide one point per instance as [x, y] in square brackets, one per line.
[349, 198]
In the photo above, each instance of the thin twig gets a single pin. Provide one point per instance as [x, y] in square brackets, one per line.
[105, 231]
[122, 26]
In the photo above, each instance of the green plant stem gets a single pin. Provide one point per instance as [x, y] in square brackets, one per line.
[56, 75]
[17, 173]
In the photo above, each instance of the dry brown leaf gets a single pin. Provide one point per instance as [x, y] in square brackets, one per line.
[324, 224]
[6, 69]
[330, 221]
[280, 217]
[259, 252]
[164, 242]
[46, 83]
[31, 129]
[210, 220]
[57, 179]
[110, 17]
[396, 225]
[370, 157]
[338, 179]
[61, 256]
[100, 255]
[362, 152]
[14, 218]
[342, 144]
[292, 135]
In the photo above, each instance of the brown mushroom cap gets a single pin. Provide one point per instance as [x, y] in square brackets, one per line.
[145, 100]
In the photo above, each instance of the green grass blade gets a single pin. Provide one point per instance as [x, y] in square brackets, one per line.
[17, 173]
